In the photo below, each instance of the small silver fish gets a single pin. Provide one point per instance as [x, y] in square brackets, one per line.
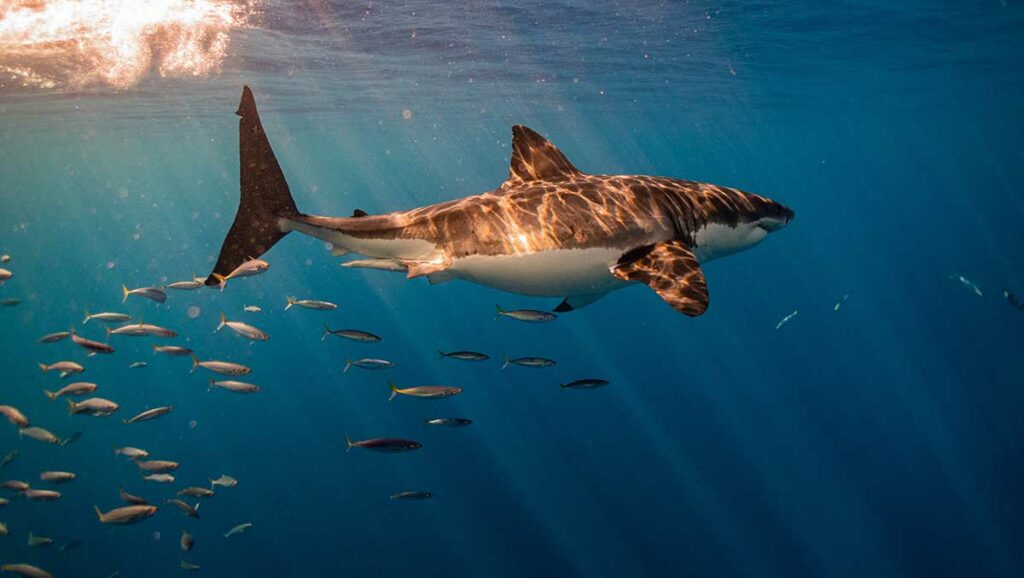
[196, 492]
[130, 498]
[39, 434]
[584, 384]
[142, 330]
[57, 477]
[65, 368]
[131, 453]
[172, 350]
[528, 362]
[10, 302]
[840, 302]
[221, 367]
[247, 269]
[186, 508]
[138, 365]
[8, 458]
[189, 566]
[969, 284]
[54, 337]
[107, 317]
[96, 406]
[159, 478]
[425, 391]
[528, 315]
[5, 275]
[252, 308]
[416, 495]
[353, 334]
[195, 283]
[786, 319]
[187, 541]
[14, 415]
[234, 386]
[90, 345]
[243, 329]
[150, 414]
[449, 421]
[238, 529]
[125, 514]
[225, 480]
[34, 540]
[157, 466]
[367, 363]
[151, 293]
[465, 355]
[310, 304]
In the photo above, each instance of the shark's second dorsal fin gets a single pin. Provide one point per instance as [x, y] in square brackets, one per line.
[534, 158]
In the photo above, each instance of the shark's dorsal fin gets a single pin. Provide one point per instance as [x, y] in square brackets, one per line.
[534, 158]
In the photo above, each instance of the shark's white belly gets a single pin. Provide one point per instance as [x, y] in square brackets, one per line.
[713, 240]
[557, 273]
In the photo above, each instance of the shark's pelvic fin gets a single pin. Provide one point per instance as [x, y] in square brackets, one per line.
[574, 302]
[265, 197]
[534, 158]
[671, 269]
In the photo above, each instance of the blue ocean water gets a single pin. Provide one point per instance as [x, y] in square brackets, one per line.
[880, 439]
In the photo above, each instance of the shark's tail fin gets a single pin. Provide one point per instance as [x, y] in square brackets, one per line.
[265, 197]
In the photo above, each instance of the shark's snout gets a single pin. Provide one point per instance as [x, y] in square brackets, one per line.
[777, 216]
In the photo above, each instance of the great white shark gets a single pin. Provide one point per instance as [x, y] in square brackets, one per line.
[550, 230]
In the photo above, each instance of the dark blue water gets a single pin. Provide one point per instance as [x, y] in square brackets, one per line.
[882, 439]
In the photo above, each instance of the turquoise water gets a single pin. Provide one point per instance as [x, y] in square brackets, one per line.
[879, 439]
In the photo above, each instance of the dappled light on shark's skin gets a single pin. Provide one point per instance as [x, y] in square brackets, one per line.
[549, 230]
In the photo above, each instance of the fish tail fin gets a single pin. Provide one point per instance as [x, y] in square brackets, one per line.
[195, 362]
[265, 197]
[291, 301]
[500, 310]
[50, 394]
[126, 292]
[441, 353]
[220, 280]
[223, 321]
[86, 319]
[348, 364]
[394, 391]
[507, 361]
[99, 513]
[155, 348]
[348, 441]
[116, 453]
[327, 331]
[71, 406]
[212, 385]
[108, 330]
[43, 367]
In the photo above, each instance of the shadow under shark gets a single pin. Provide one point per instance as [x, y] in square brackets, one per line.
[550, 230]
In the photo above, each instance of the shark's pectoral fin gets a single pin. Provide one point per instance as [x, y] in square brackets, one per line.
[574, 302]
[670, 269]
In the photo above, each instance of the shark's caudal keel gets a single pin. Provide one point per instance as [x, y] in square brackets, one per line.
[549, 230]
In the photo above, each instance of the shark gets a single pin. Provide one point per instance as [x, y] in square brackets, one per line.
[549, 230]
